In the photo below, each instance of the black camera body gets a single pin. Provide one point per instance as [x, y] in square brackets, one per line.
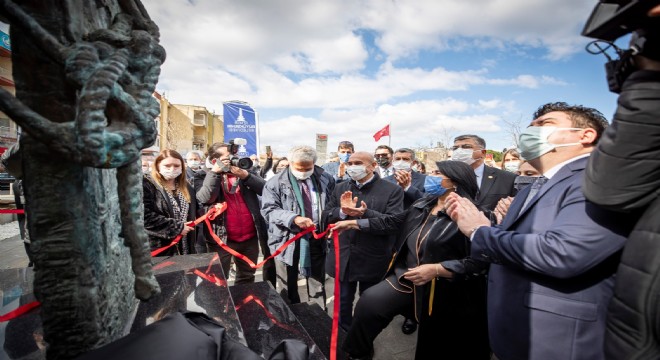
[243, 163]
[612, 19]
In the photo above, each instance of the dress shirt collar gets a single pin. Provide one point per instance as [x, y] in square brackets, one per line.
[555, 169]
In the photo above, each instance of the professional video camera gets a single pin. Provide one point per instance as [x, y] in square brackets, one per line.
[234, 146]
[612, 19]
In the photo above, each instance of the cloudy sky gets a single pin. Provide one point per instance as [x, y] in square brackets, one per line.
[433, 69]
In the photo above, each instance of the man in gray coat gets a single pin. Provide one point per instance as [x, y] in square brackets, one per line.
[292, 201]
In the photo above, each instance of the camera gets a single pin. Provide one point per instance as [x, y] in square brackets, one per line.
[234, 147]
[612, 19]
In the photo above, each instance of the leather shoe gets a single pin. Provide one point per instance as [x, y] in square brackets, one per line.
[409, 326]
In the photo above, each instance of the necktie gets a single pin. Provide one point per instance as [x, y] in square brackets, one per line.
[534, 189]
[307, 199]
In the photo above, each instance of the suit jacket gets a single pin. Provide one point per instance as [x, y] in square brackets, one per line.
[415, 191]
[495, 185]
[552, 271]
[364, 256]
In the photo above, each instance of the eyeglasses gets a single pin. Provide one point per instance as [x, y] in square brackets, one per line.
[464, 146]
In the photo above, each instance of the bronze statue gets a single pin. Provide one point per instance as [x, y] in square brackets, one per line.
[85, 72]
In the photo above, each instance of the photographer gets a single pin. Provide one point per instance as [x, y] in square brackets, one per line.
[241, 226]
[631, 146]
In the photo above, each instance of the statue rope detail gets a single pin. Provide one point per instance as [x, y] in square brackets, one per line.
[116, 71]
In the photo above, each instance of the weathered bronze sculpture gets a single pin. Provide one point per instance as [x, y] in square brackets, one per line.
[85, 71]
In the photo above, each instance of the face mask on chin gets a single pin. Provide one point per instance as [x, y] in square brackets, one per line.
[300, 175]
[357, 172]
[533, 142]
[463, 155]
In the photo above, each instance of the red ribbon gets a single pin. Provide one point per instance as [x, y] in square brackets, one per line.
[335, 309]
[211, 214]
[12, 211]
[270, 315]
[19, 311]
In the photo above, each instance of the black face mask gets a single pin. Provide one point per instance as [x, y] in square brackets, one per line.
[383, 162]
[522, 181]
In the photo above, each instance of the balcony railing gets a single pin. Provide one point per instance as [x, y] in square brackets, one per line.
[8, 132]
[199, 139]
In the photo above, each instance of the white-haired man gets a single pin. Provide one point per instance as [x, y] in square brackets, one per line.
[292, 201]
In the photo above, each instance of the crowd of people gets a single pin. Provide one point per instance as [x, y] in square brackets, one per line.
[509, 261]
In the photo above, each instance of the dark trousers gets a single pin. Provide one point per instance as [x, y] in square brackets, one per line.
[348, 289]
[289, 274]
[249, 248]
[268, 270]
[374, 311]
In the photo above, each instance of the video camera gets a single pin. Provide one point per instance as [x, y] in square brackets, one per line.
[234, 146]
[612, 19]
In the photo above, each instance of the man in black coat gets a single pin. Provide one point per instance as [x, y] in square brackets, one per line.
[364, 257]
[494, 184]
[241, 226]
[623, 174]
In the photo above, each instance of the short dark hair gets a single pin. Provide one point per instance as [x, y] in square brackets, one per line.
[346, 144]
[582, 117]
[479, 140]
[389, 149]
[407, 151]
[462, 175]
[212, 152]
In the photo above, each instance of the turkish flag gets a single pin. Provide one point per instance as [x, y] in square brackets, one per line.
[382, 132]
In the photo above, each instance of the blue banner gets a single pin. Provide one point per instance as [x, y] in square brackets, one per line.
[240, 121]
[4, 41]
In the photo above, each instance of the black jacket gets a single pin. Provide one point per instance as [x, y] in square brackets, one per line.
[211, 193]
[459, 304]
[495, 185]
[624, 174]
[159, 220]
[195, 178]
[365, 256]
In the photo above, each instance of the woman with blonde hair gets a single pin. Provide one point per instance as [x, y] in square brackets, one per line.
[169, 203]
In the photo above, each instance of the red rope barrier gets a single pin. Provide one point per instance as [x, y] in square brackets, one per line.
[19, 311]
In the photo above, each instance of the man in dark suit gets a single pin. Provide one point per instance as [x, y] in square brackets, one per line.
[410, 181]
[364, 257]
[554, 256]
[412, 184]
[494, 184]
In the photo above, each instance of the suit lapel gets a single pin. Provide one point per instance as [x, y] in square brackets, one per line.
[565, 172]
[487, 180]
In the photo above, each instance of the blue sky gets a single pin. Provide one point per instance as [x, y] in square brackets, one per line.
[434, 69]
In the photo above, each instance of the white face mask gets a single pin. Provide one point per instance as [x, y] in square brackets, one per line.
[302, 175]
[463, 155]
[357, 172]
[534, 141]
[193, 164]
[170, 174]
[512, 166]
[402, 165]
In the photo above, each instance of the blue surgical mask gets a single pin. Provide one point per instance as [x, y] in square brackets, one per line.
[433, 186]
[533, 142]
[343, 157]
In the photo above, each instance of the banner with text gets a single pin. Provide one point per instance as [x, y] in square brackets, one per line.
[240, 121]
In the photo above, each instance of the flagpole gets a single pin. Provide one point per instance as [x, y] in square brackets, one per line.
[389, 136]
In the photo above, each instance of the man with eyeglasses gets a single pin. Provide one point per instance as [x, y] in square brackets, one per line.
[494, 184]
[383, 155]
[338, 169]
